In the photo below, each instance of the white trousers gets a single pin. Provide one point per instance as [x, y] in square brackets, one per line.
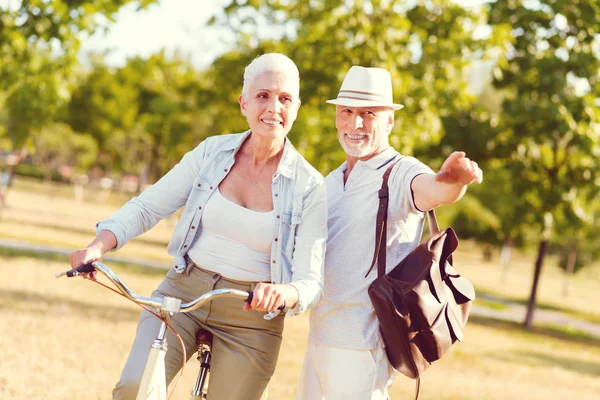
[330, 373]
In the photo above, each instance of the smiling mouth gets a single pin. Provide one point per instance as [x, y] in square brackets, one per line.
[356, 137]
[272, 122]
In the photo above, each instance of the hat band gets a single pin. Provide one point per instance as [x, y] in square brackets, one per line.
[356, 95]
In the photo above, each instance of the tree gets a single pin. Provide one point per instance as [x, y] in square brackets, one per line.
[427, 46]
[105, 107]
[167, 94]
[578, 243]
[57, 146]
[550, 125]
[39, 41]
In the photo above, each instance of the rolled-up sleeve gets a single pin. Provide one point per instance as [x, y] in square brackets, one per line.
[159, 201]
[309, 250]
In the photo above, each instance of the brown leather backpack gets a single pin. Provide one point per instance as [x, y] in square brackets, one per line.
[422, 304]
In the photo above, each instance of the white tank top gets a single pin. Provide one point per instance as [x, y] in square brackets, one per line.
[234, 241]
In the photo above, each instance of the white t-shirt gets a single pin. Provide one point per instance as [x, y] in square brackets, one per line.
[234, 241]
[345, 317]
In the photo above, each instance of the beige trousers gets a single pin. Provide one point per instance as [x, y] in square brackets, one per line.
[245, 345]
[330, 373]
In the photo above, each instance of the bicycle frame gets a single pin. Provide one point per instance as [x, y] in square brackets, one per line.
[153, 385]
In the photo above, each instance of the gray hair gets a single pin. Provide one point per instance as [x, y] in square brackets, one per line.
[270, 62]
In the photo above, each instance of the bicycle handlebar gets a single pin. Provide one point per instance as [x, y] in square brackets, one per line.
[157, 303]
[164, 303]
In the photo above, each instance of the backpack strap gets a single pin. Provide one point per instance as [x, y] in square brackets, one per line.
[381, 225]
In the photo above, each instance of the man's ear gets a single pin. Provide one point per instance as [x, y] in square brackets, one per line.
[242, 102]
[390, 123]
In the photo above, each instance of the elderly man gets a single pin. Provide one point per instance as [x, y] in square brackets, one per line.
[345, 358]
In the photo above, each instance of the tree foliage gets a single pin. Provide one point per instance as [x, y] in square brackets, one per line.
[39, 42]
[427, 47]
[550, 127]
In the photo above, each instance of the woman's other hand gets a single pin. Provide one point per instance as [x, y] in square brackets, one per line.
[268, 297]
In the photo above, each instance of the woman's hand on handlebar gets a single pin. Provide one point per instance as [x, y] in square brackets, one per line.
[268, 297]
[105, 241]
[84, 256]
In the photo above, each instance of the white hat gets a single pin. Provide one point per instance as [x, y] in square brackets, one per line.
[366, 87]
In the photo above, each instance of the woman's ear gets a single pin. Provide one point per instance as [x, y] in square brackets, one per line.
[242, 102]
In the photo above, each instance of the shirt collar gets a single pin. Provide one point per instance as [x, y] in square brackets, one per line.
[236, 145]
[382, 158]
[287, 164]
[376, 162]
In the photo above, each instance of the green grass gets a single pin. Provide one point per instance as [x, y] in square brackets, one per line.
[494, 305]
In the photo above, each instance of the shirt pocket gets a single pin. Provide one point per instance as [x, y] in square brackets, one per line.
[198, 194]
[296, 212]
[194, 205]
[288, 233]
[201, 183]
[291, 218]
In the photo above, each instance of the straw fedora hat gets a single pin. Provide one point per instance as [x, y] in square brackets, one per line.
[366, 87]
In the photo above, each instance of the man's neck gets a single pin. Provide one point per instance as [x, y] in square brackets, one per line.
[352, 160]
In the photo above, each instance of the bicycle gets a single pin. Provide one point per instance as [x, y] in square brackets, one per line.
[153, 385]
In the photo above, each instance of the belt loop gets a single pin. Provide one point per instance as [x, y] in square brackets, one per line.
[189, 264]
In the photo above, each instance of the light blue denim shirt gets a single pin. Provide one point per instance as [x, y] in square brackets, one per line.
[299, 202]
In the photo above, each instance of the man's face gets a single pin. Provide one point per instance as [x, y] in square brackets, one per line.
[363, 131]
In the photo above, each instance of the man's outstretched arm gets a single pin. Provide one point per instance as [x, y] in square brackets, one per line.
[448, 185]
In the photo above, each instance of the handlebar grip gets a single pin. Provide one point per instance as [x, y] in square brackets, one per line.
[251, 296]
[81, 269]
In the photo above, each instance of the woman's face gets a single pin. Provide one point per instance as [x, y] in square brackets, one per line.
[272, 104]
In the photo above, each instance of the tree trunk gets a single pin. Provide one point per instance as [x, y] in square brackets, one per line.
[536, 277]
[571, 260]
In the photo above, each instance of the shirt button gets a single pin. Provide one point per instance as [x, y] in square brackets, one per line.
[278, 217]
[185, 246]
[273, 261]
[276, 239]
[193, 227]
[225, 170]
[199, 184]
[211, 187]
[276, 195]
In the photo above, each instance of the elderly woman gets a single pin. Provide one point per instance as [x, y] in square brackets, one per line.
[254, 218]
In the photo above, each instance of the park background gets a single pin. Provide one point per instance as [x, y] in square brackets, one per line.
[513, 83]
